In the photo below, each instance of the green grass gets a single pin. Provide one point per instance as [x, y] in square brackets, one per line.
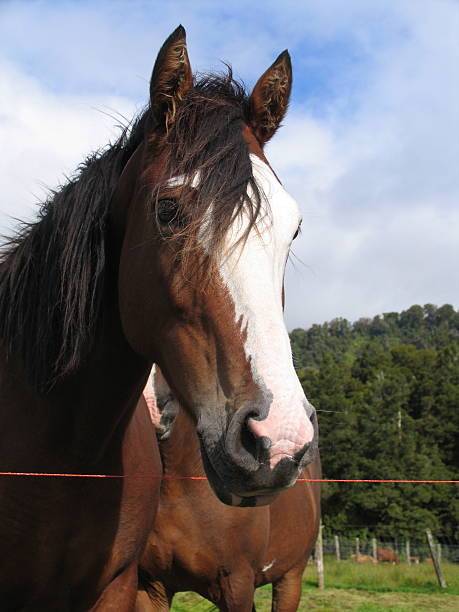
[360, 588]
[384, 577]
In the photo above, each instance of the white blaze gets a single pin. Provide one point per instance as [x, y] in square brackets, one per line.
[253, 273]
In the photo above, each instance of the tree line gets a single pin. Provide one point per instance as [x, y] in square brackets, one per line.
[387, 394]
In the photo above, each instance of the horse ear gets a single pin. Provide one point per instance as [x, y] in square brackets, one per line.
[171, 78]
[270, 97]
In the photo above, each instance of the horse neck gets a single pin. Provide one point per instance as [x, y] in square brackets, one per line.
[112, 381]
[103, 394]
[181, 453]
[92, 407]
[81, 420]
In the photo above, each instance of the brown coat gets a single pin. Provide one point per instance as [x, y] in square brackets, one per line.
[199, 544]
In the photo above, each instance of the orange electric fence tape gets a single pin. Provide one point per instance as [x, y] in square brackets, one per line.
[58, 475]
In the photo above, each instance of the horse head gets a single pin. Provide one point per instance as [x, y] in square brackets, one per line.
[204, 228]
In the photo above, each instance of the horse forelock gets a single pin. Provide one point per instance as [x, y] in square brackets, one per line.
[206, 157]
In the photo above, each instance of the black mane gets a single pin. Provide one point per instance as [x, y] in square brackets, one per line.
[52, 270]
[52, 273]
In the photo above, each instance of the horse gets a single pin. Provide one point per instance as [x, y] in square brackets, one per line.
[199, 544]
[386, 555]
[363, 558]
[167, 247]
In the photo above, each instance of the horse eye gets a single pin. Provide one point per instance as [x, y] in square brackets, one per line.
[167, 211]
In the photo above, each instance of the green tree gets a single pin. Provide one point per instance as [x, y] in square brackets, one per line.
[387, 394]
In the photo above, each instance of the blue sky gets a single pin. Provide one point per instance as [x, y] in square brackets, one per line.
[369, 148]
[108, 46]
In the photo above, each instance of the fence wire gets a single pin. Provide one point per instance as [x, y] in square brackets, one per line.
[419, 550]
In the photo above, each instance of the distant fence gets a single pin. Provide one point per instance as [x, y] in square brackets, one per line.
[417, 547]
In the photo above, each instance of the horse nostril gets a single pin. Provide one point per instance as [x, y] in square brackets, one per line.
[265, 443]
[299, 455]
[247, 439]
[245, 447]
[257, 446]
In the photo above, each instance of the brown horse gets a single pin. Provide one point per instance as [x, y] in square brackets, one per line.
[198, 544]
[167, 247]
[386, 555]
[364, 559]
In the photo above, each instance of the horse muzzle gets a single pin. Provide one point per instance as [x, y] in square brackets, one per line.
[247, 468]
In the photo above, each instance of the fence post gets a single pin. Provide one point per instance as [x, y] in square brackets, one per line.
[320, 558]
[436, 563]
[375, 549]
[439, 552]
[357, 546]
[408, 551]
[337, 550]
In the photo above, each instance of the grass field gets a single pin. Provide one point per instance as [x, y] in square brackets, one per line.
[361, 588]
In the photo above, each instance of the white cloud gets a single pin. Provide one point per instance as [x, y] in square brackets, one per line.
[393, 262]
[381, 196]
[44, 136]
